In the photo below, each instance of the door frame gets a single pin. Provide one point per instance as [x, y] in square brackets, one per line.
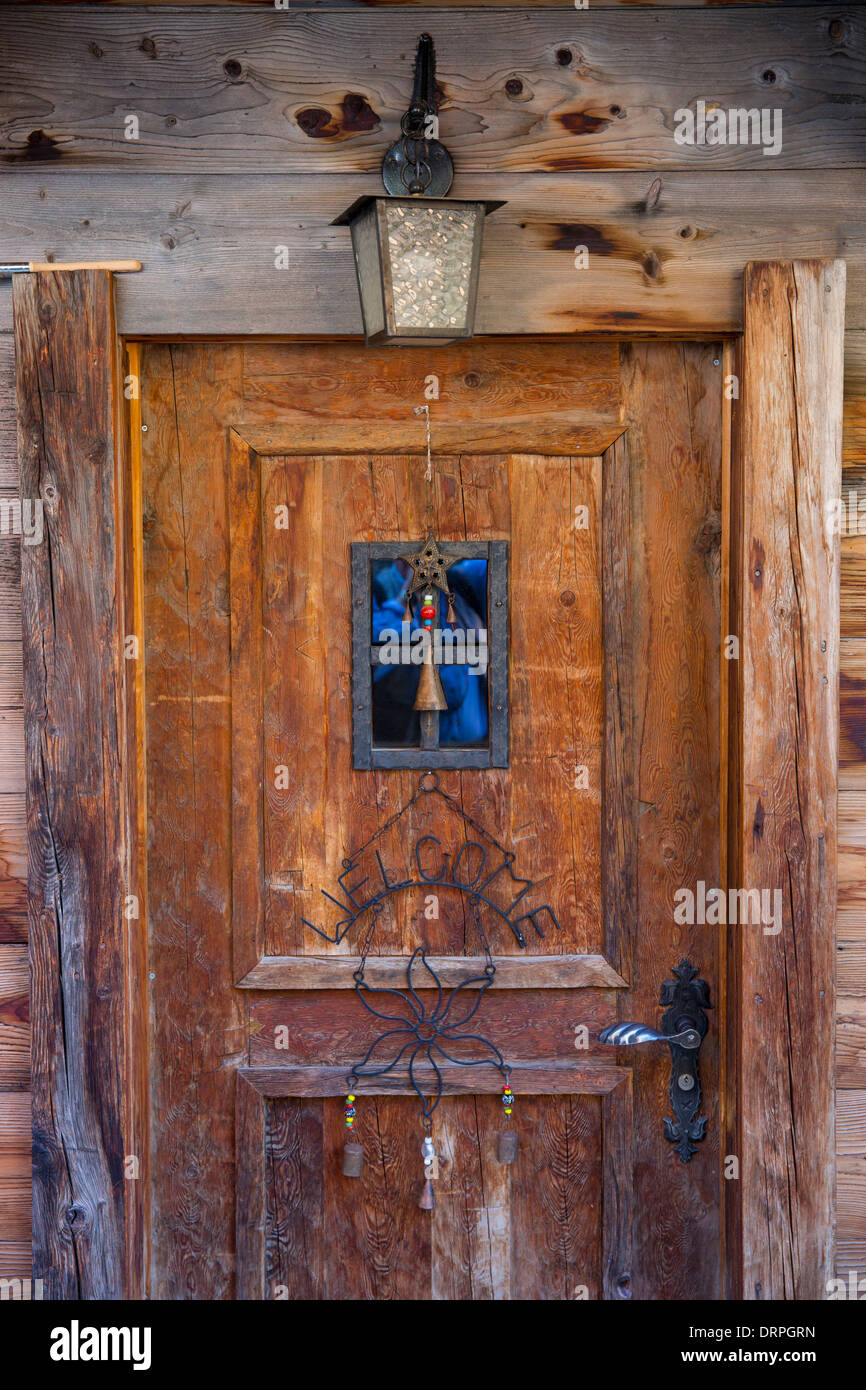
[82, 603]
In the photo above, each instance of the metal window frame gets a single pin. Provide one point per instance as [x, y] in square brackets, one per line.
[364, 754]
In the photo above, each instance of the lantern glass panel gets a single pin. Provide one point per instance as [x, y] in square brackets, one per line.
[431, 251]
[365, 243]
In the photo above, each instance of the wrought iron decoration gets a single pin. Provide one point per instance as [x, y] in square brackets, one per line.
[494, 862]
[418, 1031]
[421, 1032]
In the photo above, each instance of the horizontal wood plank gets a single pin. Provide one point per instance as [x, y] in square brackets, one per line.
[851, 1197]
[8, 440]
[265, 91]
[14, 1025]
[16, 1259]
[565, 1079]
[512, 396]
[851, 1122]
[666, 254]
[512, 972]
[334, 1028]
[851, 967]
[851, 1042]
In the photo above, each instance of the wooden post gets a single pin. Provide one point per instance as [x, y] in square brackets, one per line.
[80, 870]
[784, 755]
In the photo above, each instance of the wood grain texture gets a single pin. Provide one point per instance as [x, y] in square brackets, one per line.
[673, 402]
[850, 1042]
[8, 441]
[619, 803]
[250, 1133]
[511, 396]
[77, 837]
[792, 418]
[196, 1020]
[295, 1186]
[851, 902]
[14, 1019]
[13, 867]
[15, 1181]
[666, 254]
[332, 1026]
[531, 1230]
[512, 972]
[276, 92]
[530, 1079]
[850, 1122]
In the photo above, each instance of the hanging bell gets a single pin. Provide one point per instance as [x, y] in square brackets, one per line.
[451, 615]
[507, 1146]
[353, 1160]
[430, 693]
[427, 1200]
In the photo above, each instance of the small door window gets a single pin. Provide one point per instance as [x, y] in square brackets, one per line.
[394, 724]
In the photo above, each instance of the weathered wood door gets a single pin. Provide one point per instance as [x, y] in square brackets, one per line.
[192, 1149]
[261, 467]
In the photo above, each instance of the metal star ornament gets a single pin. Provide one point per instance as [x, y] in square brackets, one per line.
[429, 567]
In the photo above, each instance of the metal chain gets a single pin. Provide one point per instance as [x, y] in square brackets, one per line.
[428, 475]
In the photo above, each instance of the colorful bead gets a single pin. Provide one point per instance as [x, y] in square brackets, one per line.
[350, 1111]
[428, 611]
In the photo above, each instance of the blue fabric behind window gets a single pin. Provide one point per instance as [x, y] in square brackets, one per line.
[465, 722]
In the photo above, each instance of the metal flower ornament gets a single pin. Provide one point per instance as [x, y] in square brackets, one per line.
[422, 1033]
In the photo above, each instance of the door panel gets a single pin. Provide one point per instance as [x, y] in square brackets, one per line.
[292, 693]
[248, 642]
[555, 1224]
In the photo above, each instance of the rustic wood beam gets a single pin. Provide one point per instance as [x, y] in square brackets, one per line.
[665, 255]
[786, 749]
[512, 972]
[79, 842]
[264, 90]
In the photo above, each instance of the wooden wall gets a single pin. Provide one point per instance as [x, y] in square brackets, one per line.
[256, 127]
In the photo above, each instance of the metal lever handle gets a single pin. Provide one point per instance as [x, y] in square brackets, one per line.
[684, 1026]
[630, 1034]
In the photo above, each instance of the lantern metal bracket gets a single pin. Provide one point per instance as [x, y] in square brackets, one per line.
[418, 163]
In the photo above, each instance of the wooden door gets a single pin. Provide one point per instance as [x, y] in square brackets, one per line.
[255, 805]
[625, 485]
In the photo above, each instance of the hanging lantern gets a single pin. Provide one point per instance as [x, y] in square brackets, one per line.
[418, 253]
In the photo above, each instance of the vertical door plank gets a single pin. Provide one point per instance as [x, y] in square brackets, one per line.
[377, 1242]
[556, 657]
[295, 1203]
[294, 678]
[73, 613]
[248, 773]
[789, 562]
[251, 1191]
[470, 1231]
[189, 392]
[619, 831]
[556, 1199]
[673, 402]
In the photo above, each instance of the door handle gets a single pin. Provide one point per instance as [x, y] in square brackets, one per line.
[684, 1026]
[632, 1034]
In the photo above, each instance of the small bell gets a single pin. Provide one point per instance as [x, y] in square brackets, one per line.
[430, 693]
[451, 616]
[353, 1160]
[427, 1200]
[507, 1146]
